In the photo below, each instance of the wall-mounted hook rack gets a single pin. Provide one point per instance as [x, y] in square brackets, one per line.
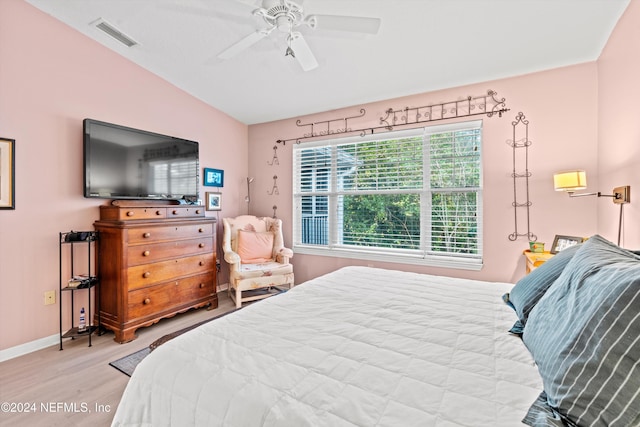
[274, 160]
[520, 176]
[488, 105]
[274, 189]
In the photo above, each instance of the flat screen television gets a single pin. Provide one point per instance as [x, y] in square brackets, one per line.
[126, 163]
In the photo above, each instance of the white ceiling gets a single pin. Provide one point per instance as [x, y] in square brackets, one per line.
[422, 45]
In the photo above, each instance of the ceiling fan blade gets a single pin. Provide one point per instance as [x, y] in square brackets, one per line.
[302, 52]
[357, 24]
[243, 44]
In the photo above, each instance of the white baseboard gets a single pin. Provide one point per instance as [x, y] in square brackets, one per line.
[29, 347]
[41, 343]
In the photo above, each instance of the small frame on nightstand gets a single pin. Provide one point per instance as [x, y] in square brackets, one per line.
[564, 242]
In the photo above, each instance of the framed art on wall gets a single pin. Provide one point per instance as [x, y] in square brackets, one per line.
[7, 173]
[213, 177]
[214, 201]
[564, 242]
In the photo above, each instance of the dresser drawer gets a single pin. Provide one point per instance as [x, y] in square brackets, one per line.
[152, 252]
[148, 274]
[185, 211]
[149, 301]
[114, 213]
[155, 234]
[124, 213]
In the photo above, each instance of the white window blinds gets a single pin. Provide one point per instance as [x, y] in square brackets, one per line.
[413, 193]
[174, 177]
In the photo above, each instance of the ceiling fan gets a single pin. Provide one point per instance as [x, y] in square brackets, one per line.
[287, 16]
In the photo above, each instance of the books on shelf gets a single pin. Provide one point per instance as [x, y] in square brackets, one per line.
[80, 281]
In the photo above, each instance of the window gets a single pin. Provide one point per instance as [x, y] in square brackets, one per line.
[407, 196]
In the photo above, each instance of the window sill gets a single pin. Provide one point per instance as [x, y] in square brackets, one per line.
[404, 258]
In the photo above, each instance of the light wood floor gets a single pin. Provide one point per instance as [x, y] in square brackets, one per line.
[79, 377]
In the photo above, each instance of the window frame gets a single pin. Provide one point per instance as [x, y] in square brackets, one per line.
[422, 256]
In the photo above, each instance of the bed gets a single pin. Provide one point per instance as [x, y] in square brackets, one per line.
[367, 347]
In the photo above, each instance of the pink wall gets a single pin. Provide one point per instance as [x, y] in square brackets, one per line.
[561, 106]
[619, 126]
[52, 77]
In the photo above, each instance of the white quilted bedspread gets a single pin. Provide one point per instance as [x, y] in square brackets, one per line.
[357, 347]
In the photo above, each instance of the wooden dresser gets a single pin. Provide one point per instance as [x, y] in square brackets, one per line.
[155, 261]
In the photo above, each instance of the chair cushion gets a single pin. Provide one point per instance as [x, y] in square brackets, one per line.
[271, 268]
[254, 247]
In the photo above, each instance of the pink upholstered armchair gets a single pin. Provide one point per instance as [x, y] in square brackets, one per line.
[258, 261]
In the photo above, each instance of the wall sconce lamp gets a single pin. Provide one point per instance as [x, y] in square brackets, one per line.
[576, 180]
[573, 181]
[248, 198]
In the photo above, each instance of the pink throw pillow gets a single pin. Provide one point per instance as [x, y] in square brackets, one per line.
[255, 247]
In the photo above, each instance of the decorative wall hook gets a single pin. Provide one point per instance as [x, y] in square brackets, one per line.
[275, 208]
[274, 189]
[274, 160]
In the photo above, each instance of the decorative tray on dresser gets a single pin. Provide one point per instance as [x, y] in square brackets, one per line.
[156, 260]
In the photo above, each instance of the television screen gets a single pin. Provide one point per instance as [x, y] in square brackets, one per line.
[126, 163]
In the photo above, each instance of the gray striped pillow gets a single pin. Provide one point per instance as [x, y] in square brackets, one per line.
[528, 291]
[584, 335]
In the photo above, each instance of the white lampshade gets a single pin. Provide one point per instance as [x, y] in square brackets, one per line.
[570, 181]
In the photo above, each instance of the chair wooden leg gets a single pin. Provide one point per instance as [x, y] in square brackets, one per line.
[238, 297]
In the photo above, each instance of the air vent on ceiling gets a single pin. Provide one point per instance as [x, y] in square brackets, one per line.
[108, 28]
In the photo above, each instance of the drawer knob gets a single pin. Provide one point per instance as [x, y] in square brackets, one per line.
[158, 213]
[200, 230]
[146, 235]
[146, 253]
[201, 263]
[130, 213]
[198, 211]
[201, 245]
[146, 301]
[201, 285]
[175, 212]
[146, 274]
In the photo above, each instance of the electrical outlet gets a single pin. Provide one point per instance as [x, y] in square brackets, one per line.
[49, 297]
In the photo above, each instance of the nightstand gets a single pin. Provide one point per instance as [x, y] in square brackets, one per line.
[536, 259]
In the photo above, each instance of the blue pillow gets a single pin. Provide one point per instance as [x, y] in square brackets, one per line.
[584, 335]
[528, 291]
[541, 415]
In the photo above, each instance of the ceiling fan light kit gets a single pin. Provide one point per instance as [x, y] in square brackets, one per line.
[286, 16]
